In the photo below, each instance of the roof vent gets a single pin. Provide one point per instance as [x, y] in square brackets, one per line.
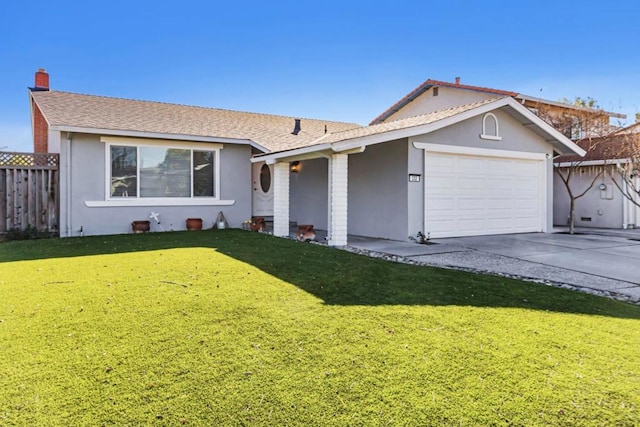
[296, 128]
[325, 127]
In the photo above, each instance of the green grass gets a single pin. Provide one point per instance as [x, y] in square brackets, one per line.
[237, 328]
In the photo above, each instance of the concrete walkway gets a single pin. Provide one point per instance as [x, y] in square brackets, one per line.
[600, 261]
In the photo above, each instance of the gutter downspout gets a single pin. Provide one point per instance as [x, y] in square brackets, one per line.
[625, 206]
[67, 177]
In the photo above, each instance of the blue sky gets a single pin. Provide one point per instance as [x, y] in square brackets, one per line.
[336, 60]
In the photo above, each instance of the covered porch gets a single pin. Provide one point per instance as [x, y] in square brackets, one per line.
[324, 198]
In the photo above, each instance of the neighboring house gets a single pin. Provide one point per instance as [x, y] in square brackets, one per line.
[575, 122]
[603, 205]
[483, 165]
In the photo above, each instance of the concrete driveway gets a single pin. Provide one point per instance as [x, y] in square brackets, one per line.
[605, 262]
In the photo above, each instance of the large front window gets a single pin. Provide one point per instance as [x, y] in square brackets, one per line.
[159, 172]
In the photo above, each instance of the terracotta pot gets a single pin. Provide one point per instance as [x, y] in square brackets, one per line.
[140, 226]
[257, 224]
[194, 224]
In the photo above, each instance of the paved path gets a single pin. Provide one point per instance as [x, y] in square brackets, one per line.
[603, 261]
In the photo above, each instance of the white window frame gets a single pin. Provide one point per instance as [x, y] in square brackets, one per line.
[484, 134]
[137, 200]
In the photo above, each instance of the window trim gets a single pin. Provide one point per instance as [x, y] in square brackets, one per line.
[484, 134]
[159, 201]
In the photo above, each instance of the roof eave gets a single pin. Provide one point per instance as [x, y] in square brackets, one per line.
[158, 135]
[400, 104]
[572, 107]
[559, 141]
[309, 152]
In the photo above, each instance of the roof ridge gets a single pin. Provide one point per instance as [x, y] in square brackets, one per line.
[472, 87]
[464, 107]
[195, 106]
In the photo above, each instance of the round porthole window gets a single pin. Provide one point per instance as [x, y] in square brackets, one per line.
[265, 178]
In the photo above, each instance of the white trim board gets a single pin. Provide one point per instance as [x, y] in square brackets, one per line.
[142, 143]
[558, 140]
[178, 201]
[157, 135]
[471, 151]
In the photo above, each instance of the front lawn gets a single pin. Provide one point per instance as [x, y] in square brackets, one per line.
[236, 328]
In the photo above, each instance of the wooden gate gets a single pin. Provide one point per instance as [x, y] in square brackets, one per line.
[29, 191]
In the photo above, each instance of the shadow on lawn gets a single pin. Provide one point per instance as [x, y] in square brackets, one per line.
[337, 277]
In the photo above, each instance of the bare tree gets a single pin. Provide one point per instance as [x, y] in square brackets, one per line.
[625, 155]
[567, 167]
[588, 125]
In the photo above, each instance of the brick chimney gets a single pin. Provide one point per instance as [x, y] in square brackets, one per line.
[42, 80]
[457, 81]
[40, 126]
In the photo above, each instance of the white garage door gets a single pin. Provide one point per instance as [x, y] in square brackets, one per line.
[470, 195]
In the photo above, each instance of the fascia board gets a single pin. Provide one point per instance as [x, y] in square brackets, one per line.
[295, 154]
[418, 130]
[546, 127]
[158, 135]
[572, 107]
[579, 164]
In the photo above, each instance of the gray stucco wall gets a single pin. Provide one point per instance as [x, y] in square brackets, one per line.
[377, 200]
[515, 137]
[87, 183]
[308, 194]
[603, 207]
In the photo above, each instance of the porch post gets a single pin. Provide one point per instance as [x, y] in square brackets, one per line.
[338, 188]
[281, 199]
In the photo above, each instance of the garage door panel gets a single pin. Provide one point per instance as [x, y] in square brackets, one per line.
[477, 195]
[470, 183]
[443, 226]
[499, 183]
[471, 204]
[440, 183]
[469, 164]
[471, 225]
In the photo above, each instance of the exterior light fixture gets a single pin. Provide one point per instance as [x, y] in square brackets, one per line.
[294, 167]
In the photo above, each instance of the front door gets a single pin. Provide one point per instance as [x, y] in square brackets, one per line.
[262, 189]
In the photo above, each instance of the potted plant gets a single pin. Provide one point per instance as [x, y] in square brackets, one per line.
[194, 224]
[140, 226]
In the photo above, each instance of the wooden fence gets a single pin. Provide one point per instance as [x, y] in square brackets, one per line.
[29, 191]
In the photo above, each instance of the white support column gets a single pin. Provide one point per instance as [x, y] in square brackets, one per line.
[281, 199]
[338, 189]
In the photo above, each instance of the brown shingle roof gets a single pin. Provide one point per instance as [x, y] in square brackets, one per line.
[617, 146]
[395, 125]
[73, 110]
